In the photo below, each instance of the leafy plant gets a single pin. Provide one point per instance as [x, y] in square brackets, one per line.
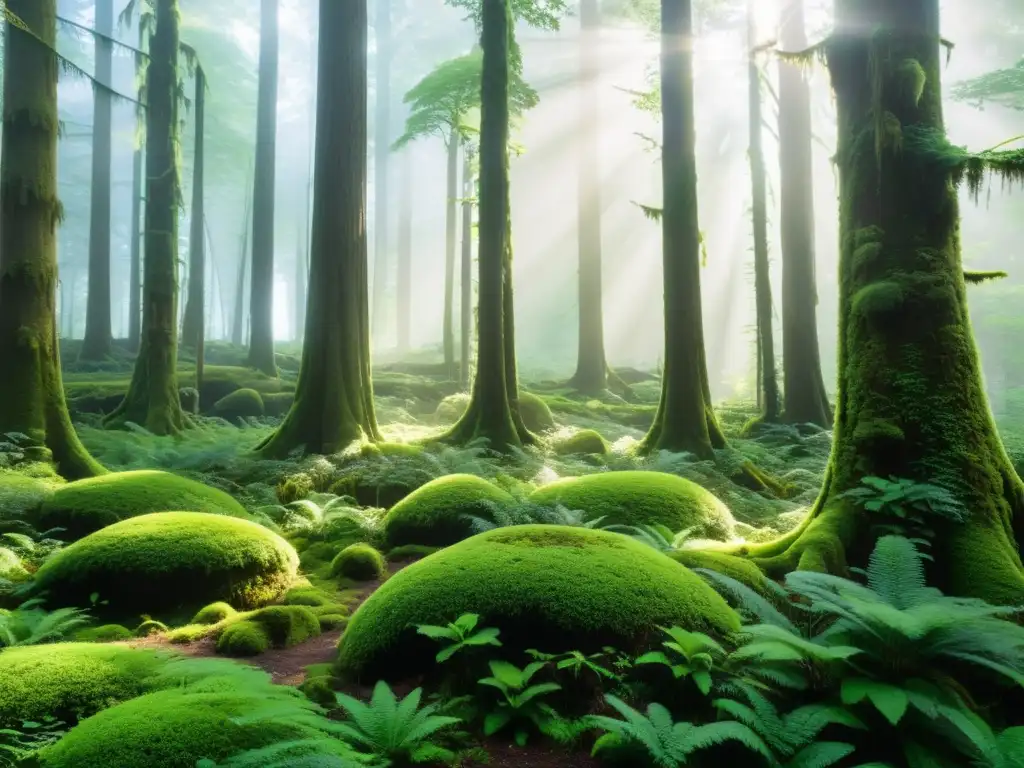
[908, 504]
[687, 655]
[17, 745]
[520, 705]
[459, 635]
[29, 624]
[576, 662]
[657, 536]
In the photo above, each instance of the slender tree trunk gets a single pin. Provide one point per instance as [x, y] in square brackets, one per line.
[450, 229]
[685, 420]
[301, 268]
[910, 401]
[193, 327]
[152, 399]
[805, 399]
[261, 305]
[381, 154]
[334, 395]
[769, 383]
[490, 414]
[404, 297]
[33, 394]
[238, 318]
[98, 337]
[466, 276]
[591, 375]
[135, 266]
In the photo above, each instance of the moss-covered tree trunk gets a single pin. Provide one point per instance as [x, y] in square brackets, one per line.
[910, 400]
[301, 272]
[466, 267]
[591, 375]
[98, 336]
[768, 381]
[192, 328]
[33, 394]
[685, 420]
[805, 400]
[490, 413]
[261, 303]
[404, 279]
[334, 395]
[450, 234]
[381, 163]
[152, 399]
[135, 250]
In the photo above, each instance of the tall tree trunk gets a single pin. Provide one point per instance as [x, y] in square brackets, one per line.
[334, 395]
[450, 229]
[261, 305]
[152, 399]
[238, 317]
[33, 394]
[193, 327]
[805, 399]
[404, 297]
[490, 414]
[768, 380]
[98, 337]
[135, 266]
[381, 157]
[301, 268]
[591, 375]
[685, 420]
[910, 401]
[466, 272]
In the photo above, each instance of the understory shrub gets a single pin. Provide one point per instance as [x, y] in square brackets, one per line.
[359, 562]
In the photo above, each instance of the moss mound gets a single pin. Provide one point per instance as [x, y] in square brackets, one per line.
[169, 729]
[549, 587]
[452, 407]
[213, 613]
[171, 561]
[743, 571]
[70, 681]
[20, 493]
[535, 412]
[642, 498]
[11, 567]
[359, 562]
[586, 441]
[277, 403]
[432, 515]
[106, 633]
[240, 404]
[242, 639]
[287, 625]
[88, 505]
[150, 627]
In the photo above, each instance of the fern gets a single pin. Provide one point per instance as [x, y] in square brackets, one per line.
[29, 624]
[656, 536]
[523, 512]
[906, 505]
[520, 705]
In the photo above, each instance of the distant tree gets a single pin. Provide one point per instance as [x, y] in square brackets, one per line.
[469, 194]
[334, 396]
[135, 249]
[192, 327]
[33, 394]
[381, 157]
[261, 305]
[404, 278]
[238, 312]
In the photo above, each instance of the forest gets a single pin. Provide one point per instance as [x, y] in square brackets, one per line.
[576, 383]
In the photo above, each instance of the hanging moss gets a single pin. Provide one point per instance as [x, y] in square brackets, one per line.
[968, 168]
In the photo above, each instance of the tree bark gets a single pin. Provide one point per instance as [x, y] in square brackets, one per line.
[591, 375]
[193, 325]
[910, 400]
[685, 420]
[450, 229]
[381, 155]
[301, 269]
[98, 336]
[33, 393]
[404, 297]
[135, 267]
[261, 304]
[805, 400]
[152, 399]
[466, 268]
[334, 395]
[238, 315]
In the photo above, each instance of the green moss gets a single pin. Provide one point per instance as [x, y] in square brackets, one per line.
[294, 487]
[150, 627]
[107, 633]
[213, 613]
[20, 493]
[734, 567]
[879, 300]
[549, 587]
[243, 638]
[171, 561]
[285, 625]
[319, 690]
[309, 596]
[240, 404]
[189, 633]
[359, 562]
[329, 621]
[70, 680]
[410, 552]
[536, 414]
[89, 505]
[169, 729]
[11, 567]
[587, 441]
[432, 514]
[277, 403]
[451, 408]
[642, 498]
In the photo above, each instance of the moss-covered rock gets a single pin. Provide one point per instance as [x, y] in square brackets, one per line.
[171, 561]
[213, 613]
[20, 493]
[243, 639]
[433, 514]
[309, 596]
[240, 404]
[286, 625]
[452, 407]
[294, 487]
[105, 633]
[89, 505]
[277, 403]
[549, 587]
[586, 441]
[642, 498]
[359, 562]
[535, 412]
[743, 571]
[11, 567]
[329, 621]
[150, 627]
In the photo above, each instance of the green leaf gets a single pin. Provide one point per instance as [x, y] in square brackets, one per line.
[496, 720]
[446, 653]
[890, 700]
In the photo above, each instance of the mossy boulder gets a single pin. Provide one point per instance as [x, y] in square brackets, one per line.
[359, 562]
[550, 587]
[586, 441]
[642, 498]
[213, 613]
[150, 627]
[242, 639]
[433, 514]
[240, 404]
[286, 625]
[535, 412]
[452, 407]
[277, 403]
[86, 506]
[70, 681]
[171, 561]
[105, 633]
[20, 493]
[743, 571]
